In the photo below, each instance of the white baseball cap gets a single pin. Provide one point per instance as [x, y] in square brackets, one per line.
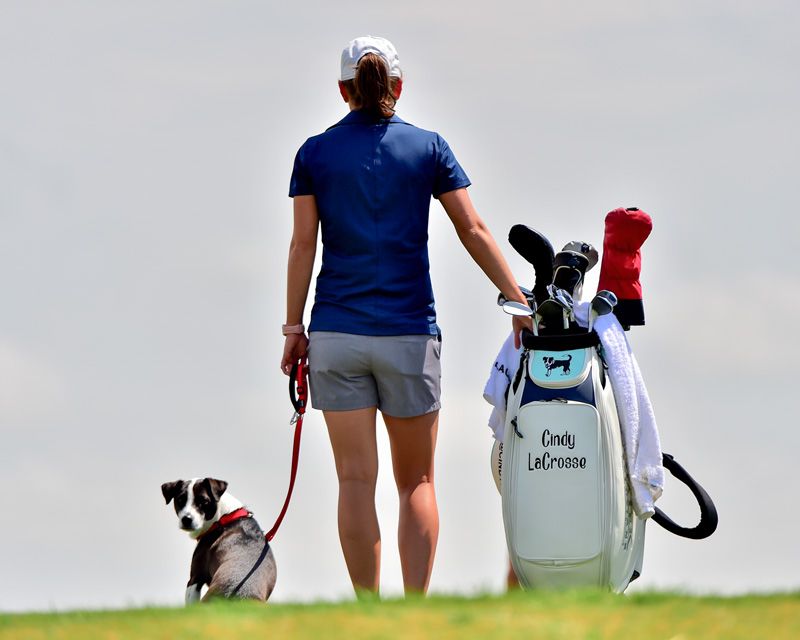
[359, 47]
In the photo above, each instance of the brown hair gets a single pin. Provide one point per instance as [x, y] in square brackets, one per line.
[372, 90]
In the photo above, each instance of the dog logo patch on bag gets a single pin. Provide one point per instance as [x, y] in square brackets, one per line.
[560, 369]
[551, 364]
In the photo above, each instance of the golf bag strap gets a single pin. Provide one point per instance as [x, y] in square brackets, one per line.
[298, 394]
[708, 512]
[559, 342]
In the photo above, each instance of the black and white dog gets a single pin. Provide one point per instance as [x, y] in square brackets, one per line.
[550, 364]
[232, 555]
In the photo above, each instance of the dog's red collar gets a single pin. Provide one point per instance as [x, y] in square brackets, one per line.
[233, 515]
[225, 520]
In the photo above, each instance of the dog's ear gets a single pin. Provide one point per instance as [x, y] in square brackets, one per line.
[171, 489]
[215, 487]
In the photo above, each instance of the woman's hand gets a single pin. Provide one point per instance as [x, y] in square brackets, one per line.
[518, 323]
[295, 347]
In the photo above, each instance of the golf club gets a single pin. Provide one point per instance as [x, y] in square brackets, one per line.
[536, 316]
[603, 302]
[564, 299]
[514, 308]
[501, 299]
[571, 264]
[549, 309]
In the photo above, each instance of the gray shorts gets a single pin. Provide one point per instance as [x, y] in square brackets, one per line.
[401, 375]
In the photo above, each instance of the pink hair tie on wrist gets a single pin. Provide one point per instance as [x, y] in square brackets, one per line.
[289, 329]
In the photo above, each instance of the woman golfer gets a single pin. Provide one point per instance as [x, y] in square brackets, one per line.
[373, 342]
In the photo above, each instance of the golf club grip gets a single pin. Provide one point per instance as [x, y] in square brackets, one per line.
[708, 512]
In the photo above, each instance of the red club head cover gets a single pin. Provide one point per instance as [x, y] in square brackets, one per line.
[626, 230]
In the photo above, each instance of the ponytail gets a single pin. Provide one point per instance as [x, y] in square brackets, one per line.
[372, 89]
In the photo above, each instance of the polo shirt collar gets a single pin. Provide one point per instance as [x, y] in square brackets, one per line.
[359, 117]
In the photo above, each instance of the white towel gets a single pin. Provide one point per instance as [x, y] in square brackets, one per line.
[636, 417]
[500, 377]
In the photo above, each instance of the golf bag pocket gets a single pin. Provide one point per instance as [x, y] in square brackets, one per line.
[559, 369]
[559, 473]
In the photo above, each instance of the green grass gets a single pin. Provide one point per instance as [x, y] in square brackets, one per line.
[581, 614]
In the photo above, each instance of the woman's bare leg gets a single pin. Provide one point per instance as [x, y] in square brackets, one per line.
[355, 451]
[413, 442]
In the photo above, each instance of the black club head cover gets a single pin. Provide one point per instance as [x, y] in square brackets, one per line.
[537, 250]
[570, 267]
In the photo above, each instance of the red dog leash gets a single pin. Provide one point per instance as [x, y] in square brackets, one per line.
[298, 394]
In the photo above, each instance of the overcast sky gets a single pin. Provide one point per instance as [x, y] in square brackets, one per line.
[145, 154]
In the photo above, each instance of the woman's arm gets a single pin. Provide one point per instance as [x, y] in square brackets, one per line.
[302, 252]
[479, 243]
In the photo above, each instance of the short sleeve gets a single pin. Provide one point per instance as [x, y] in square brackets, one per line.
[301, 183]
[449, 174]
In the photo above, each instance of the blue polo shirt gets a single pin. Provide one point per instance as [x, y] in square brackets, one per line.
[373, 181]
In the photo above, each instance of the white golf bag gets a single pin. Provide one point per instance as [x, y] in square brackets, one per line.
[561, 471]
[566, 499]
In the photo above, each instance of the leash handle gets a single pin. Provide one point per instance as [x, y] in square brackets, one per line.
[298, 394]
[298, 386]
